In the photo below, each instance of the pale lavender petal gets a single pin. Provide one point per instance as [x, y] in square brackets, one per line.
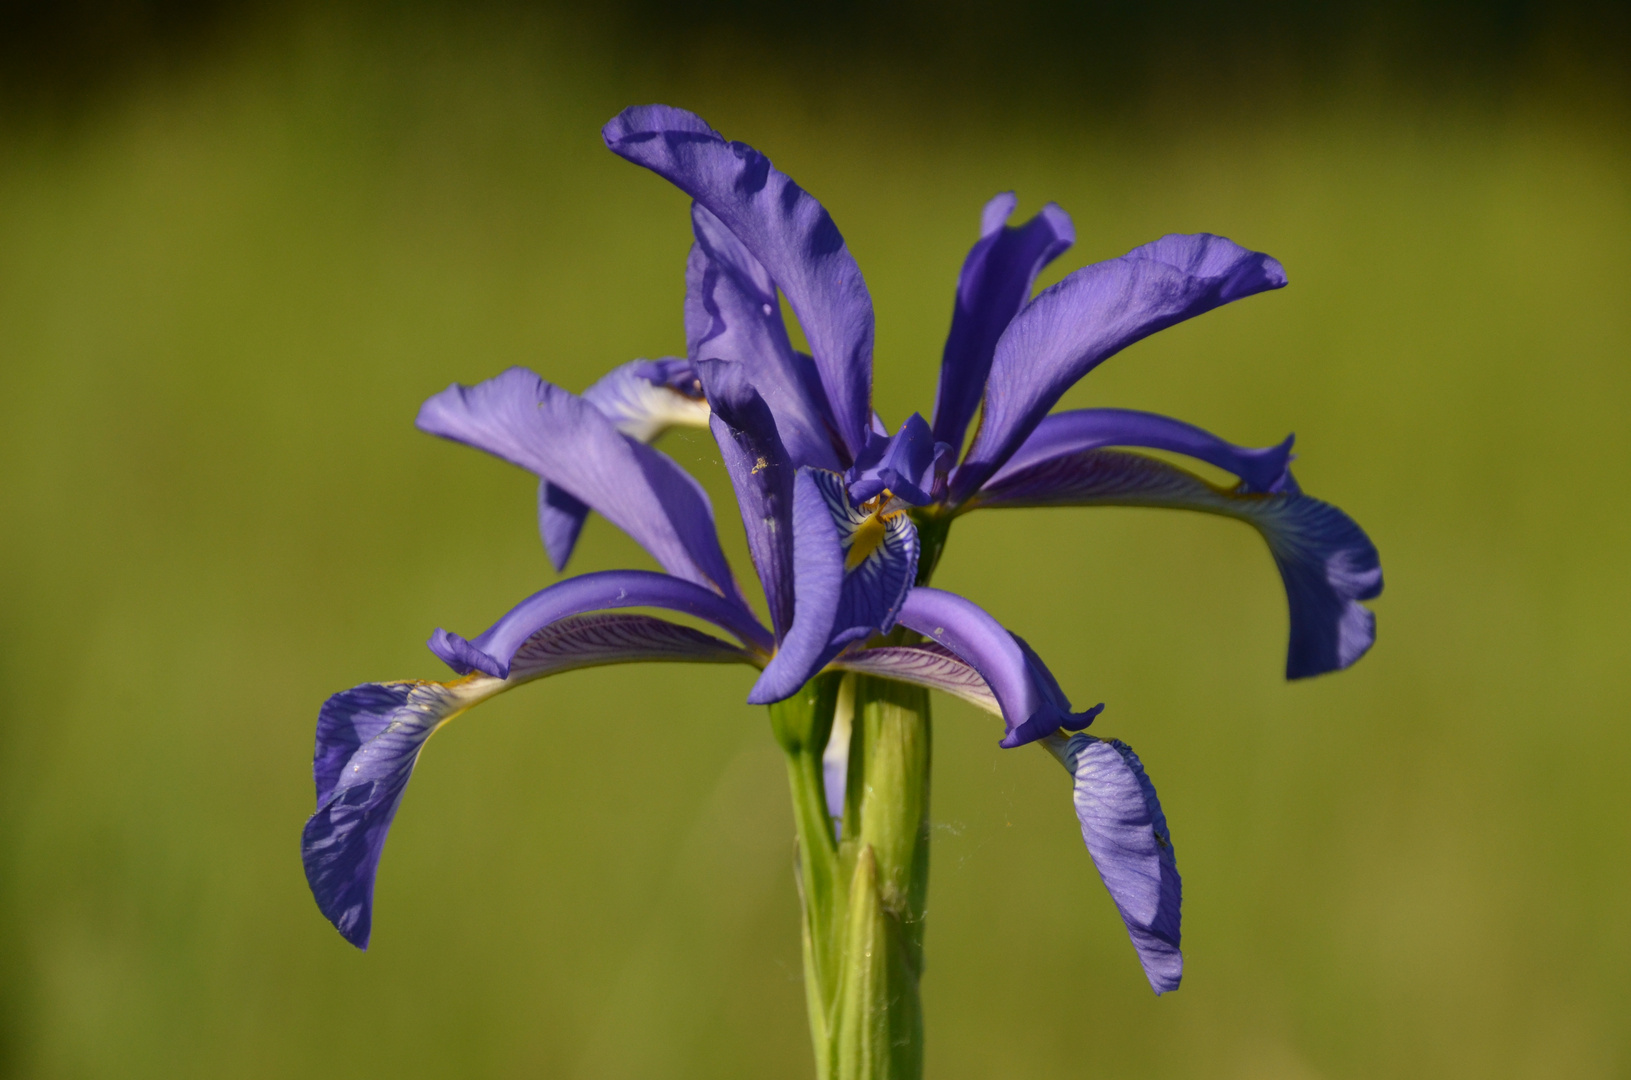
[732, 313]
[784, 228]
[1033, 706]
[644, 398]
[1126, 834]
[995, 283]
[1265, 470]
[852, 570]
[568, 442]
[763, 477]
[493, 651]
[1092, 314]
[1326, 561]
[369, 738]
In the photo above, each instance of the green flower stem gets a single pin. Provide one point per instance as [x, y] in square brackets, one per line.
[864, 896]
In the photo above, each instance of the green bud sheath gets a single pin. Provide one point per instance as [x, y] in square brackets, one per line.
[863, 897]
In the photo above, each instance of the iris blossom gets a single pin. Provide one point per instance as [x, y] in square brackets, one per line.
[844, 519]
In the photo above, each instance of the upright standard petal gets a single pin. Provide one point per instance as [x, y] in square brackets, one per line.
[995, 283]
[732, 313]
[1126, 833]
[493, 651]
[1092, 314]
[1265, 470]
[1327, 562]
[1033, 706]
[763, 477]
[784, 228]
[853, 567]
[570, 443]
[369, 738]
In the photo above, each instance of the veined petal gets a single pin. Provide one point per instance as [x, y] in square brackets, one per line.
[570, 443]
[369, 738]
[495, 650]
[732, 313]
[763, 477]
[853, 567]
[931, 665]
[1033, 706]
[995, 283]
[1265, 470]
[1127, 836]
[1327, 562]
[1092, 314]
[784, 228]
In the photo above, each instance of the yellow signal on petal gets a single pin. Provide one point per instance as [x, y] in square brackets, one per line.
[864, 541]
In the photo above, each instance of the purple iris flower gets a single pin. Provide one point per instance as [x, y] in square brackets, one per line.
[837, 509]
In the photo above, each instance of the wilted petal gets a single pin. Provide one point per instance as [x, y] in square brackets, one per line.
[1126, 833]
[1265, 470]
[994, 284]
[570, 443]
[732, 313]
[763, 477]
[1092, 314]
[1327, 562]
[1032, 704]
[493, 651]
[784, 228]
[852, 570]
[369, 738]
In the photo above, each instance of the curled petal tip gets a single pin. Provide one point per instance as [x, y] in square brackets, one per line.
[463, 657]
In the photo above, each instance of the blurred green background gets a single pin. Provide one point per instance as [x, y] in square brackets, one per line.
[239, 246]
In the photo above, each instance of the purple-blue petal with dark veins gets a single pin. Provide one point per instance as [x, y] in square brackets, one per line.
[492, 650]
[1033, 706]
[1073, 326]
[1326, 561]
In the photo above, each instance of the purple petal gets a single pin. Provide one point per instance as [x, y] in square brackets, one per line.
[995, 283]
[1127, 835]
[1327, 562]
[1266, 470]
[852, 570]
[642, 399]
[732, 313]
[560, 521]
[567, 441]
[930, 665]
[907, 464]
[369, 738]
[1033, 706]
[494, 650]
[786, 230]
[1095, 312]
[763, 477]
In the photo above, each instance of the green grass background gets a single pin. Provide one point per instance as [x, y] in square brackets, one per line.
[224, 292]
